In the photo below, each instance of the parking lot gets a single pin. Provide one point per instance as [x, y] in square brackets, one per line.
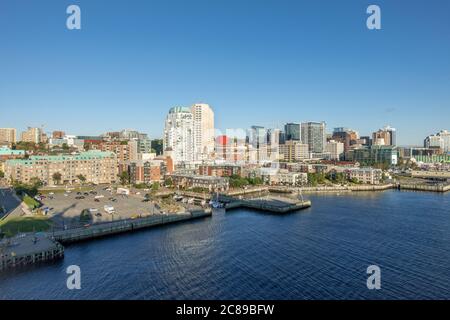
[65, 207]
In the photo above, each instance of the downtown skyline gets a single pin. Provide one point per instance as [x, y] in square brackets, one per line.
[291, 63]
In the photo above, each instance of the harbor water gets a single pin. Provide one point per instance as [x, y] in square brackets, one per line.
[318, 253]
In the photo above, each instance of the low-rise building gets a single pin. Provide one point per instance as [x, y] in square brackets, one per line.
[365, 175]
[219, 170]
[196, 181]
[374, 154]
[7, 153]
[96, 167]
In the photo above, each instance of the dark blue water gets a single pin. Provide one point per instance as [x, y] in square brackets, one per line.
[319, 253]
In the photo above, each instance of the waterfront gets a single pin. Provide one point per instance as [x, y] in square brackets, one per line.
[319, 253]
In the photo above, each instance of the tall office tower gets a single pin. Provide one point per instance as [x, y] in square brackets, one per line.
[386, 136]
[292, 131]
[7, 136]
[34, 135]
[313, 134]
[203, 117]
[346, 136]
[178, 138]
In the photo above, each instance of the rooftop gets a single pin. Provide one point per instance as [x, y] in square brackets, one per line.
[87, 155]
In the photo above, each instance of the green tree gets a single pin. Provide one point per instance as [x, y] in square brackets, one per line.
[2, 174]
[168, 182]
[157, 145]
[57, 177]
[36, 182]
[124, 178]
[155, 186]
[81, 178]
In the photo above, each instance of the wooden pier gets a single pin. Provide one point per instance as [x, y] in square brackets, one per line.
[27, 250]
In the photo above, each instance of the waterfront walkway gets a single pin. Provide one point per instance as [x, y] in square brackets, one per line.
[128, 225]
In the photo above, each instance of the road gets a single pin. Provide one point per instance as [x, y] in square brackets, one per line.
[8, 201]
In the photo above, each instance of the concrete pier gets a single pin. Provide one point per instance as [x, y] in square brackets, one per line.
[268, 204]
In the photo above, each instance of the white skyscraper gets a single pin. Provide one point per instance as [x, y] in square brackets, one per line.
[179, 134]
[203, 130]
[445, 135]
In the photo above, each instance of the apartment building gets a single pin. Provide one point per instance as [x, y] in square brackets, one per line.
[196, 181]
[292, 151]
[125, 150]
[219, 170]
[365, 175]
[97, 167]
[34, 135]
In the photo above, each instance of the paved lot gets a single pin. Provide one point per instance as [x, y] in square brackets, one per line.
[66, 209]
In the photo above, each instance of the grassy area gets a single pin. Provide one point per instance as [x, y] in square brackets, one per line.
[30, 202]
[11, 227]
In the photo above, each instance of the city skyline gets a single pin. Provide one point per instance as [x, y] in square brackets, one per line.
[124, 69]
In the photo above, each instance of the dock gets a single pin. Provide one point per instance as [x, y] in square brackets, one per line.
[271, 204]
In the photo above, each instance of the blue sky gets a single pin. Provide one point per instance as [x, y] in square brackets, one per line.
[255, 61]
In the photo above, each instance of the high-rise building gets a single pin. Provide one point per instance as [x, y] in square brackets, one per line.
[179, 134]
[292, 131]
[385, 137]
[346, 136]
[58, 134]
[203, 117]
[7, 136]
[34, 135]
[314, 135]
[445, 135]
[335, 149]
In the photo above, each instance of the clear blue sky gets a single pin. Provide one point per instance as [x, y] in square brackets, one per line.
[255, 61]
